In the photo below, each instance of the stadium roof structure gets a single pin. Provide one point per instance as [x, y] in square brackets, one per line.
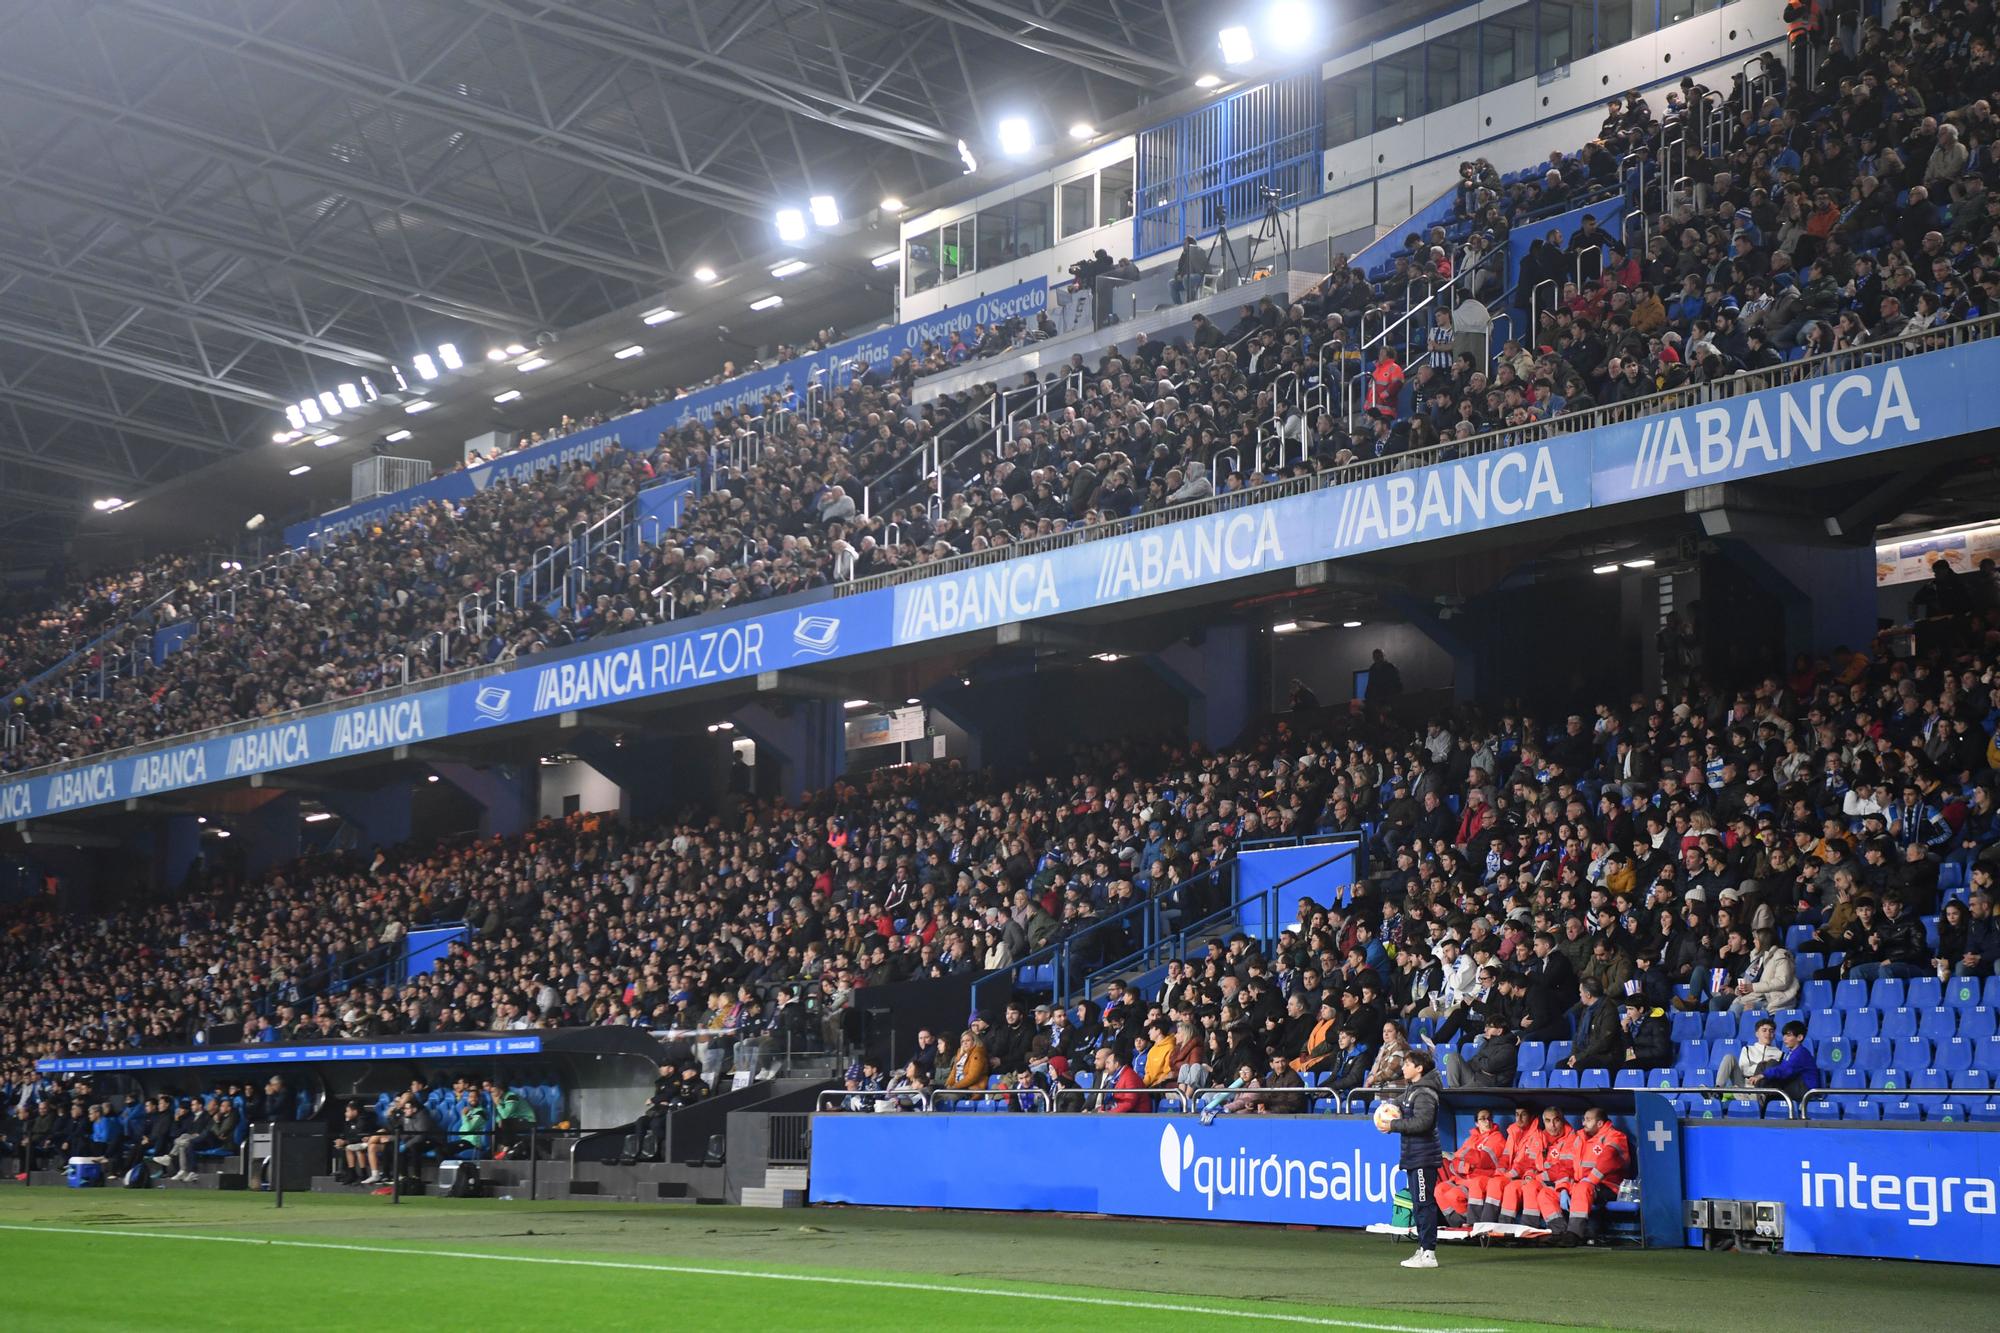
[212, 209]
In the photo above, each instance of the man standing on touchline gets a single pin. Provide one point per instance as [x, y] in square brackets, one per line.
[1414, 1115]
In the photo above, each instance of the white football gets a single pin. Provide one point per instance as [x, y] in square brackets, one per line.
[1386, 1116]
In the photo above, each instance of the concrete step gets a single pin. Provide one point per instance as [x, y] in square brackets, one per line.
[785, 1177]
[765, 1196]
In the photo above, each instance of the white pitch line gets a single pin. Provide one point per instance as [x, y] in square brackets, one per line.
[880, 1284]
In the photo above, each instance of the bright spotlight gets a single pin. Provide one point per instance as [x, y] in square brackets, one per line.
[516, 349]
[965, 156]
[301, 470]
[421, 405]
[396, 436]
[887, 259]
[532, 363]
[309, 409]
[331, 404]
[1237, 48]
[1083, 129]
[448, 354]
[1017, 137]
[1350, 624]
[1604, 569]
[496, 354]
[1207, 81]
[825, 210]
[659, 316]
[350, 396]
[791, 225]
[507, 397]
[704, 274]
[767, 303]
[627, 353]
[296, 416]
[1292, 24]
[426, 368]
[107, 504]
[790, 267]
[891, 204]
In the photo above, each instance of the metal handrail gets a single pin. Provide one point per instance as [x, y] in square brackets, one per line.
[1890, 1094]
[837, 1095]
[1791, 1107]
[939, 1096]
[1174, 1091]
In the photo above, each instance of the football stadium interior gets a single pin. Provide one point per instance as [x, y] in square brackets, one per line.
[935, 663]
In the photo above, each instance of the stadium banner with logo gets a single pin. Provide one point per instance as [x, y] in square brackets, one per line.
[1422, 504]
[456, 1047]
[1312, 1170]
[1820, 420]
[1885, 1193]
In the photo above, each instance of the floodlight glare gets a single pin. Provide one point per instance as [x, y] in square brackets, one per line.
[891, 204]
[1207, 81]
[767, 303]
[296, 416]
[659, 316]
[791, 225]
[507, 397]
[396, 436]
[448, 354]
[704, 274]
[426, 368]
[309, 409]
[887, 259]
[789, 267]
[627, 353]
[1291, 24]
[965, 156]
[496, 354]
[350, 396]
[1017, 137]
[421, 405]
[1083, 129]
[301, 470]
[1237, 48]
[825, 210]
[330, 403]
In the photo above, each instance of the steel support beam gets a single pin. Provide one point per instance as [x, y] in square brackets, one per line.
[133, 364]
[1055, 50]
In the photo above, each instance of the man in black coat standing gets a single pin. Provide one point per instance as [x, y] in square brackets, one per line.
[1413, 1114]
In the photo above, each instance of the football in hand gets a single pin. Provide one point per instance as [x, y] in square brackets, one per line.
[1386, 1116]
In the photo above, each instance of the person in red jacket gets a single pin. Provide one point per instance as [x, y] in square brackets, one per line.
[1603, 1162]
[1385, 385]
[1115, 1073]
[1528, 1171]
[1561, 1168]
[1477, 1157]
[1485, 1190]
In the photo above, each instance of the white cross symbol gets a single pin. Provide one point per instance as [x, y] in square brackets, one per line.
[1659, 1136]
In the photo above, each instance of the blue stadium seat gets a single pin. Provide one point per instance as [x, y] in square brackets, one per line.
[1086, 1078]
[1797, 935]
[1630, 1078]
[1687, 1026]
[1989, 994]
[1958, 1053]
[1982, 1112]
[1912, 1053]
[1888, 993]
[1962, 992]
[1902, 1109]
[1969, 1080]
[1872, 1053]
[1925, 992]
[1719, 1028]
[1661, 1078]
[1891, 1079]
[1937, 1024]
[1944, 1110]
[1532, 1078]
[1738, 1108]
[1699, 1106]
[1558, 1052]
[1898, 1023]
[1977, 1023]
[1817, 995]
[1534, 1055]
[1825, 1023]
[1862, 1023]
[1848, 1079]
[1851, 995]
[1929, 1080]
[1563, 1078]
[1697, 1055]
[1826, 1108]
[1835, 1054]
[1590, 1079]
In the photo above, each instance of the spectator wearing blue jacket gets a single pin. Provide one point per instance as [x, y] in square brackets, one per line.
[1797, 1072]
[107, 1136]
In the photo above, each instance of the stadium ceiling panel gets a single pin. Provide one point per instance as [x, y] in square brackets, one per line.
[210, 209]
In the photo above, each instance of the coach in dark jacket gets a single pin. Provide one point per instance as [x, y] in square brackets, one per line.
[1598, 1044]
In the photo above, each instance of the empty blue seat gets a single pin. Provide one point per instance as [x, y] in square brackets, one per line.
[1797, 935]
[1977, 1023]
[1968, 1080]
[1629, 1078]
[1687, 1026]
[1532, 1078]
[1929, 1080]
[1699, 1106]
[1594, 1078]
[1872, 1053]
[1834, 1054]
[1911, 1053]
[1984, 1112]
[1817, 995]
[1850, 994]
[1945, 1111]
[1823, 1108]
[1924, 992]
[1861, 1023]
[1962, 992]
[1847, 1079]
[1898, 1023]
[1563, 1078]
[1956, 1053]
[1902, 1109]
[1660, 1078]
[1824, 1024]
[1719, 1028]
[1737, 1108]
[1696, 1055]
[1534, 1055]
[1891, 1079]
[1860, 1108]
[1989, 994]
[1888, 993]
[1937, 1024]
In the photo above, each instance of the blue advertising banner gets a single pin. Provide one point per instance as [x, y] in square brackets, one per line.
[1862, 411]
[1312, 1170]
[1881, 1193]
[276, 1055]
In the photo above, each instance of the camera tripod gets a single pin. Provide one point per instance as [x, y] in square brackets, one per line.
[1271, 230]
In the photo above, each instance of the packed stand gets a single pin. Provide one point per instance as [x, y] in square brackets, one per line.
[41, 629]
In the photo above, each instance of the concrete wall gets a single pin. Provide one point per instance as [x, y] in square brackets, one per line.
[576, 778]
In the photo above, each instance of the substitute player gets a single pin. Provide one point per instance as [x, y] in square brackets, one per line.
[1414, 1115]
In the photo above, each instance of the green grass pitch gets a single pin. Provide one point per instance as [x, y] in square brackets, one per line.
[107, 1259]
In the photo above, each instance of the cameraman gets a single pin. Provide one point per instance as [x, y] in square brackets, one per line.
[1190, 272]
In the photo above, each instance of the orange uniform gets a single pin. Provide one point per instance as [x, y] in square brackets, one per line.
[1528, 1173]
[1476, 1159]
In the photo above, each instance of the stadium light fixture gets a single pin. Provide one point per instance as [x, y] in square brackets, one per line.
[108, 504]
[1237, 48]
[887, 259]
[913, 701]
[1105, 657]
[1291, 25]
[1611, 568]
[791, 225]
[532, 363]
[507, 397]
[659, 316]
[1350, 624]
[704, 274]
[965, 156]
[891, 204]
[396, 436]
[789, 267]
[349, 395]
[1017, 136]
[767, 303]
[515, 349]
[448, 353]
[296, 416]
[496, 354]
[1285, 627]
[421, 405]
[426, 368]
[300, 470]
[284, 437]
[309, 409]
[318, 817]
[627, 353]
[330, 404]
[220, 832]
[1083, 129]
[857, 703]
[1639, 564]
[431, 777]
[825, 210]
[1208, 81]
[326, 440]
